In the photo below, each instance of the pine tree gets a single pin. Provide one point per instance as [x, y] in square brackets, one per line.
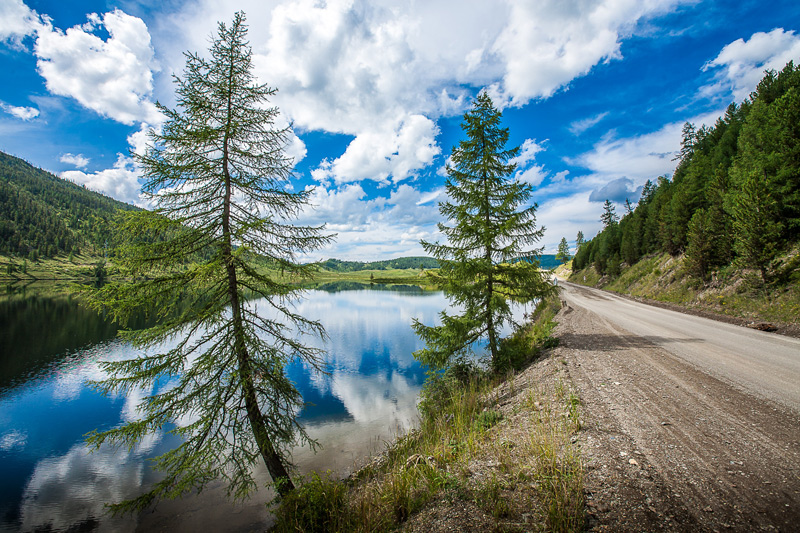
[755, 223]
[562, 254]
[487, 260]
[700, 247]
[217, 175]
[688, 142]
[609, 216]
[579, 242]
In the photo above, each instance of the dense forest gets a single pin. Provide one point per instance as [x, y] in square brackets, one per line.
[734, 197]
[42, 215]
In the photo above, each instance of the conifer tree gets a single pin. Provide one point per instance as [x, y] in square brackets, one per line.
[562, 254]
[217, 175]
[579, 241]
[609, 216]
[488, 258]
[755, 223]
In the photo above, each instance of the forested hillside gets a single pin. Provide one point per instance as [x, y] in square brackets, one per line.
[42, 215]
[734, 198]
[337, 265]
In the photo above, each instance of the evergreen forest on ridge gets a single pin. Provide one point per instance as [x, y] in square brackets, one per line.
[734, 198]
[42, 215]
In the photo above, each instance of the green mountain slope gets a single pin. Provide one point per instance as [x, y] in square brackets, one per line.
[733, 201]
[42, 215]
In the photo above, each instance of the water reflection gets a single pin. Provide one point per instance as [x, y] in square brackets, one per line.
[52, 482]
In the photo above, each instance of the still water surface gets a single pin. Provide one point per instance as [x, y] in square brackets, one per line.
[51, 346]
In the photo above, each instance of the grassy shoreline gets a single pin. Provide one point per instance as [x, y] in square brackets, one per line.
[489, 449]
[83, 269]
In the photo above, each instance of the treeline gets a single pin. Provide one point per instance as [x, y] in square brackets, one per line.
[42, 215]
[734, 197]
[401, 263]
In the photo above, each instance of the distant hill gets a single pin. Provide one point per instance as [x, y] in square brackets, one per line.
[42, 215]
[548, 262]
[401, 263]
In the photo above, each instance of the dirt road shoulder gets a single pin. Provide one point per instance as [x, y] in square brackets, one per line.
[669, 447]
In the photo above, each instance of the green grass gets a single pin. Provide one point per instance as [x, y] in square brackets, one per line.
[409, 276]
[535, 481]
[61, 268]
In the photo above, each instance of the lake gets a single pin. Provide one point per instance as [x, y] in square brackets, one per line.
[51, 346]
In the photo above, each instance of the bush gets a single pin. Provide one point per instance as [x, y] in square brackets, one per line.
[318, 504]
[440, 387]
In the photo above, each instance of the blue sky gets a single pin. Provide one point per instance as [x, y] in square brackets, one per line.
[594, 92]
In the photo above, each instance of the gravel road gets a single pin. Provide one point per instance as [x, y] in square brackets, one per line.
[690, 424]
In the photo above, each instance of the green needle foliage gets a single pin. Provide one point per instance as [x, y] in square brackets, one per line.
[218, 177]
[487, 260]
[562, 254]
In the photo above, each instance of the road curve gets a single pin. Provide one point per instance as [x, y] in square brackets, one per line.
[764, 364]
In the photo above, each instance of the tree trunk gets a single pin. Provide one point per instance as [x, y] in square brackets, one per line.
[258, 425]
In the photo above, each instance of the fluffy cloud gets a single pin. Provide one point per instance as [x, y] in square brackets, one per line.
[22, 113]
[565, 217]
[120, 182]
[533, 174]
[743, 62]
[617, 191]
[78, 160]
[642, 157]
[112, 77]
[16, 22]
[384, 226]
[397, 151]
[378, 70]
[638, 158]
[547, 44]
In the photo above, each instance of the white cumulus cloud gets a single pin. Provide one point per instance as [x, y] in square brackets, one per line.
[548, 43]
[743, 62]
[120, 181]
[22, 113]
[75, 159]
[398, 152]
[379, 69]
[17, 21]
[113, 77]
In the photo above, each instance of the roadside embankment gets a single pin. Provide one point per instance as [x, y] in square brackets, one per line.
[731, 295]
[490, 452]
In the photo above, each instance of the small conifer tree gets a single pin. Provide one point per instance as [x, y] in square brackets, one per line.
[488, 259]
[562, 254]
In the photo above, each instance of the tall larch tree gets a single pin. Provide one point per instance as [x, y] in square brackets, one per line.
[217, 175]
[488, 258]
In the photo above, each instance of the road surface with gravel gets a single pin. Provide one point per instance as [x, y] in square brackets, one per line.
[690, 424]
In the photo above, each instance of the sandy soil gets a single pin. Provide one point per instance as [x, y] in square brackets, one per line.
[671, 443]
